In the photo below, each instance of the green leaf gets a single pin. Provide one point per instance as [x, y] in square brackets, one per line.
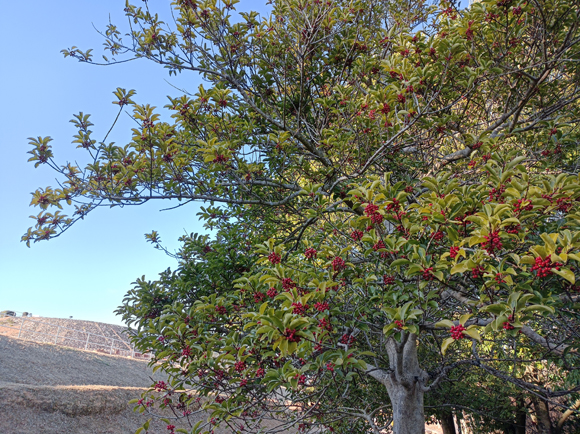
[574, 256]
[459, 268]
[398, 262]
[445, 344]
[474, 333]
[538, 308]
[529, 260]
[463, 319]
[566, 274]
[475, 240]
[549, 242]
[444, 323]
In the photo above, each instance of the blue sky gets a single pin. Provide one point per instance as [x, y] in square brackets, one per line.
[85, 272]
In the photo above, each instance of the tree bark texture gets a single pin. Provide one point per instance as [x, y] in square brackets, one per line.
[405, 385]
[543, 416]
[447, 423]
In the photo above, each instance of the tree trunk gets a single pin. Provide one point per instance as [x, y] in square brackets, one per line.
[405, 385]
[520, 422]
[408, 413]
[458, 420]
[543, 416]
[447, 423]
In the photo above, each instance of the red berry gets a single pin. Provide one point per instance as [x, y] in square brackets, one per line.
[310, 253]
[457, 332]
[338, 264]
[274, 258]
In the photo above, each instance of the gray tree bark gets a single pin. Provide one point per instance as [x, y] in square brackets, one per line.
[406, 385]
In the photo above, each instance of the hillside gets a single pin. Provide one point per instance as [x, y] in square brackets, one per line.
[90, 335]
[49, 389]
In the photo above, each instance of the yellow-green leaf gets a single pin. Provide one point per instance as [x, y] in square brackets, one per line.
[566, 274]
[445, 344]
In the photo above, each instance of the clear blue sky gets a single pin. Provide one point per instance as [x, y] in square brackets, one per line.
[85, 272]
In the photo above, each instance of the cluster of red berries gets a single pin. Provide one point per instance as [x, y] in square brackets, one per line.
[171, 429]
[399, 324]
[496, 193]
[325, 324]
[428, 273]
[160, 386]
[457, 332]
[401, 228]
[394, 205]
[492, 242]
[260, 372]
[321, 306]
[221, 310]
[453, 251]
[288, 283]
[379, 245]
[347, 339]
[513, 229]
[220, 159]
[330, 366]
[477, 272]
[240, 366]
[519, 206]
[388, 280]
[299, 308]
[301, 379]
[291, 335]
[543, 267]
[310, 253]
[563, 204]
[356, 235]
[338, 264]
[259, 297]
[507, 326]
[186, 352]
[372, 211]
[274, 258]
[437, 236]
[272, 292]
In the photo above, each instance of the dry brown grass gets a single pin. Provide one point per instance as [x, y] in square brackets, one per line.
[47, 364]
[49, 389]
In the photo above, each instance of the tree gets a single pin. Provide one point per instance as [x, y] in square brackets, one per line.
[409, 174]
